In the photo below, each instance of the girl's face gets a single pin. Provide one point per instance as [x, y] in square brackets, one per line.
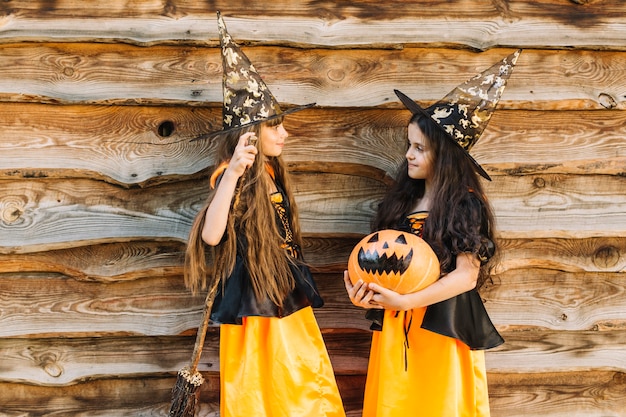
[419, 156]
[273, 139]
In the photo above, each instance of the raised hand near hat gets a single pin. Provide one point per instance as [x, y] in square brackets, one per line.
[228, 189]
[244, 154]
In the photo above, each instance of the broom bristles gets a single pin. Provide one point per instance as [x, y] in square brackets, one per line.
[184, 393]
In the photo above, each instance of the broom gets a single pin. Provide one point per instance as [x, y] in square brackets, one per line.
[188, 380]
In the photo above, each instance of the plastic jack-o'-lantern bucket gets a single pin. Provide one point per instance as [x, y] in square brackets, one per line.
[399, 261]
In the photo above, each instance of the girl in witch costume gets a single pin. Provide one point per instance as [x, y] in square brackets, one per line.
[427, 357]
[273, 360]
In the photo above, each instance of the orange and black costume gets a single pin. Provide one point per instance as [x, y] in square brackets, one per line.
[273, 360]
[430, 359]
[237, 300]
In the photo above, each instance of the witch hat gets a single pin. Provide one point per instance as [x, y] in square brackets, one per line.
[247, 100]
[463, 114]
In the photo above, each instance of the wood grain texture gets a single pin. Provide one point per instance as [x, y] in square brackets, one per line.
[560, 394]
[57, 213]
[95, 73]
[562, 206]
[123, 145]
[39, 303]
[569, 255]
[591, 393]
[45, 142]
[126, 261]
[557, 300]
[61, 213]
[128, 145]
[99, 183]
[66, 361]
[461, 23]
[35, 304]
[585, 393]
[107, 262]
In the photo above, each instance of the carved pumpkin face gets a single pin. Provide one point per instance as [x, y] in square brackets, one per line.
[396, 260]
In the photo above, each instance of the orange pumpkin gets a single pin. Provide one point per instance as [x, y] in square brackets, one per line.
[399, 261]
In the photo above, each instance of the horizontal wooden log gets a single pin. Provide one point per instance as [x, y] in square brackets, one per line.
[556, 300]
[144, 146]
[558, 351]
[55, 214]
[594, 393]
[130, 146]
[520, 299]
[120, 74]
[126, 145]
[66, 361]
[149, 396]
[561, 206]
[43, 303]
[146, 396]
[570, 255]
[107, 262]
[475, 24]
[35, 304]
[125, 261]
[567, 142]
[581, 394]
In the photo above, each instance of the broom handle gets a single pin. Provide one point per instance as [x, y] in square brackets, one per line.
[200, 336]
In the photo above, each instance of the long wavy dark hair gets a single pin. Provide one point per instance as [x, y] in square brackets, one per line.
[253, 220]
[460, 218]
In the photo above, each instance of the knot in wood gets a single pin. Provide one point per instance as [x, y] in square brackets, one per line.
[12, 211]
[68, 72]
[607, 101]
[336, 74]
[539, 182]
[606, 257]
[49, 363]
[53, 369]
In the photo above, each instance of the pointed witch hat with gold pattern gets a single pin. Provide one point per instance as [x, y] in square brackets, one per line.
[463, 114]
[247, 100]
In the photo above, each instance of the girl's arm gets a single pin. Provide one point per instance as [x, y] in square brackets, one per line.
[216, 215]
[461, 280]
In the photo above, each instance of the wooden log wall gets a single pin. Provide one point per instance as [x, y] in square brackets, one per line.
[99, 184]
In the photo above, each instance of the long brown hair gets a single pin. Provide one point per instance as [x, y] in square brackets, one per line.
[460, 218]
[251, 222]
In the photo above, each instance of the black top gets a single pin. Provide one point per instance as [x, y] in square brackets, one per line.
[464, 316]
[236, 299]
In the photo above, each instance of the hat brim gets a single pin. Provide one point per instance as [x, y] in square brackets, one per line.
[415, 108]
[254, 123]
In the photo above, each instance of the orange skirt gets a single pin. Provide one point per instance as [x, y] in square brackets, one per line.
[277, 367]
[433, 375]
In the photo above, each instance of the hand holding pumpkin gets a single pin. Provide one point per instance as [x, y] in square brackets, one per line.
[395, 260]
[389, 299]
[358, 292]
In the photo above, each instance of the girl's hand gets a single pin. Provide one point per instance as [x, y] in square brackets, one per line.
[244, 154]
[359, 293]
[388, 299]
